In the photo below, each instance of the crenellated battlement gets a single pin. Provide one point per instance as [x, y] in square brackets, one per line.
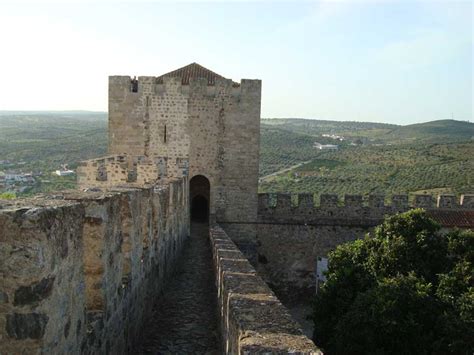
[398, 202]
[352, 210]
[133, 88]
[295, 231]
[190, 113]
[135, 170]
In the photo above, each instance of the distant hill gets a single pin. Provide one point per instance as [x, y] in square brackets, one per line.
[53, 113]
[319, 127]
[434, 131]
[52, 138]
[434, 156]
[450, 130]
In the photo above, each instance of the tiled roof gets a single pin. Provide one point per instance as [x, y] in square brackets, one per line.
[455, 218]
[191, 71]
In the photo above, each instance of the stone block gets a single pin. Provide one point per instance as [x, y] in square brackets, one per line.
[33, 293]
[328, 200]
[305, 201]
[353, 200]
[376, 201]
[400, 202]
[283, 201]
[423, 201]
[446, 201]
[29, 325]
[467, 201]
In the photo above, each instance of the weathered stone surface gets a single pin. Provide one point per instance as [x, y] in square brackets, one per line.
[291, 239]
[97, 260]
[43, 283]
[184, 320]
[33, 293]
[253, 321]
[23, 326]
[165, 127]
[56, 252]
[67, 327]
[3, 297]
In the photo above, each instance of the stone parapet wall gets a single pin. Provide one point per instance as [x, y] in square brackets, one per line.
[130, 170]
[287, 255]
[253, 320]
[353, 211]
[80, 270]
[293, 232]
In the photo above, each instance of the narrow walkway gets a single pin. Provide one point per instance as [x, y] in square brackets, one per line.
[184, 320]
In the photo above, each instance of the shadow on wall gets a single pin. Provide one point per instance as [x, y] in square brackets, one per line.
[199, 196]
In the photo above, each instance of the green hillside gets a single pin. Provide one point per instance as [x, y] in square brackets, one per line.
[442, 130]
[434, 131]
[373, 157]
[396, 169]
[42, 142]
[319, 127]
[281, 148]
[58, 138]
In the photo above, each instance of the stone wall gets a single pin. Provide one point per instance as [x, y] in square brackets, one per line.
[293, 232]
[129, 170]
[214, 125]
[253, 321]
[287, 255]
[79, 270]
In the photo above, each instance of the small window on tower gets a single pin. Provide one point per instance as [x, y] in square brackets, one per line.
[164, 135]
[134, 84]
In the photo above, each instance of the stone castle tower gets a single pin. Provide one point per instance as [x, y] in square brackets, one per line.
[193, 114]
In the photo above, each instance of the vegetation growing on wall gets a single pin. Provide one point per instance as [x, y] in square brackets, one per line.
[7, 196]
[406, 290]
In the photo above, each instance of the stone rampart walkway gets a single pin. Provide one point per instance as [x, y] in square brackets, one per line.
[184, 320]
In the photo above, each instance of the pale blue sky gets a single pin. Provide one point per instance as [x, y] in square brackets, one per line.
[386, 61]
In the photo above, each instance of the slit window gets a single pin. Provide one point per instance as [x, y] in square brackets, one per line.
[134, 85]
[164, 135]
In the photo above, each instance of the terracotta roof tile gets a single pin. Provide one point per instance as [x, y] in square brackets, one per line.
[193, 71]
[454, 218]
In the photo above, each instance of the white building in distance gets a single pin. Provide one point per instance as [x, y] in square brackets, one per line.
[64, 172]
[325, 146]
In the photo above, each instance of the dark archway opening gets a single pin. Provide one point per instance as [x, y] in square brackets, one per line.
[199, 209]
[199, 191]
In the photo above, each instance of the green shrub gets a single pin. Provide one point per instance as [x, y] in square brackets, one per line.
[405, 289]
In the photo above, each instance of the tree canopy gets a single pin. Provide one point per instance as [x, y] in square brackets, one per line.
[405, 288]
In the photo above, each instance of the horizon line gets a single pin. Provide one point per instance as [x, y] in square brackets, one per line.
[79, 111]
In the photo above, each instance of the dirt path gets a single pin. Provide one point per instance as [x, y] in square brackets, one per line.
[271, 176]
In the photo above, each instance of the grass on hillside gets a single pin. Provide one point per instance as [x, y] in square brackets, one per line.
[435, 156]
[317, 164]
[386, 170]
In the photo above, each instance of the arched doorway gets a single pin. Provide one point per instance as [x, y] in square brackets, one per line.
[199, 196]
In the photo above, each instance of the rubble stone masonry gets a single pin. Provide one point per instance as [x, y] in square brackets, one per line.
[293, 232]
[253, 321]
[79, 270]
[196, 115]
